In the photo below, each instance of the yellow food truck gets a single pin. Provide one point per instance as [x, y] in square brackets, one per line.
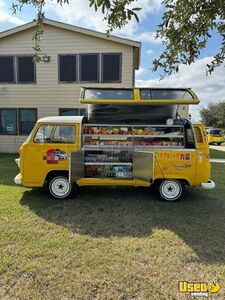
[130, 137]
[215, 136]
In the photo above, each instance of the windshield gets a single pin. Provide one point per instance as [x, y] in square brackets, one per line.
[215, 132]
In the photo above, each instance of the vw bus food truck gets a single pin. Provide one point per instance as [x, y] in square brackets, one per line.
[215, 136]
[131, 137]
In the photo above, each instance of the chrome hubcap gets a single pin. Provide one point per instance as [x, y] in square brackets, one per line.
[170, 189]
[60, 187]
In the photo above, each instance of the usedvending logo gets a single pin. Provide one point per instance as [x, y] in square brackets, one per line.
[199, 289]
[53, 156]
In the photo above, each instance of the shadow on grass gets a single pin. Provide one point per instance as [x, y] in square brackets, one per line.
[104, 212]
[8, 168]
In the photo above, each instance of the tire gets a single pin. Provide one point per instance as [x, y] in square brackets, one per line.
[59, 187]
[170, 189]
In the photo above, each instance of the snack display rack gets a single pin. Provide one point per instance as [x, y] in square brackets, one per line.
[108, 150]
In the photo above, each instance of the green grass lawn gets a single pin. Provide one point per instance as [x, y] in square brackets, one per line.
[108, 243]
[217, 154]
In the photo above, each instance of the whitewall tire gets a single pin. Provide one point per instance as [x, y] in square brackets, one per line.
[170, 190]
[60, 187]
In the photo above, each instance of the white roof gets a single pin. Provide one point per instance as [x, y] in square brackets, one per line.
[62, 119]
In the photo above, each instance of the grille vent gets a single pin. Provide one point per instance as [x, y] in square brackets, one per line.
[198, 135]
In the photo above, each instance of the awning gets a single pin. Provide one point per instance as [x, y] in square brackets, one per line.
[138, 96]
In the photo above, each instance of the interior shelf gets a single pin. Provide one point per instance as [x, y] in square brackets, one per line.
[109, 149]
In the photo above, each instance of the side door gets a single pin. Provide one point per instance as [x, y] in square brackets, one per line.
[143, 165]
[50, 150]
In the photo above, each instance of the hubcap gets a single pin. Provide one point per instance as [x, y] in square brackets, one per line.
[60, 187]
[170, 190]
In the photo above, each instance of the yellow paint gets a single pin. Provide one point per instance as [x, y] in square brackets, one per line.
[191, 165]
[215, 139]
[137, 100]
[33, 167]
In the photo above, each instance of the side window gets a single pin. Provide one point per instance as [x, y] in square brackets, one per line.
[43, 134]
[190, 139]
[64, 134]
[25, 69]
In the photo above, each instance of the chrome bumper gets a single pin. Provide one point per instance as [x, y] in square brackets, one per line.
[208, 185]
[18, 179]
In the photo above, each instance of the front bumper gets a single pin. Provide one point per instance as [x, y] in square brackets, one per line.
[208, 185]
[18, 179]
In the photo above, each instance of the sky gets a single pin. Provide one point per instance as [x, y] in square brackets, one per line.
[209, 88]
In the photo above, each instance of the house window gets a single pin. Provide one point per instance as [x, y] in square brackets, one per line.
[83, 112]
[111, 67]
[69, 111]
[27, 120]
[7, 70]
[8, 121]
[89, 67]
[72, 112]
[25, 69]
[64, 134]
[67, 68]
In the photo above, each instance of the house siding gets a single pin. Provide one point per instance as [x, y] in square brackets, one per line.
[48, 95]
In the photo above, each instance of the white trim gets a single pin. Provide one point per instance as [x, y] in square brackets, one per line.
[62, 119]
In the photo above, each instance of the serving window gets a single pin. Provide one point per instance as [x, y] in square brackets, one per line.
[165, 94]
[112, 94]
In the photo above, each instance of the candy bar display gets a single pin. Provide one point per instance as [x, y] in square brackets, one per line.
[104, 171]
[164, 142]
[127, 137]
[107, 130]
[93, 141]
[108, 157]
[158, 131]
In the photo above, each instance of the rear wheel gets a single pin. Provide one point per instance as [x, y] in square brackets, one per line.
[59, 187]
[170, 189]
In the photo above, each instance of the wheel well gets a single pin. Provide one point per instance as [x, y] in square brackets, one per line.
[54, 173]
[184, 181]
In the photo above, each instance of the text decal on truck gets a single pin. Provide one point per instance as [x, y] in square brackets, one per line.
[53, 156]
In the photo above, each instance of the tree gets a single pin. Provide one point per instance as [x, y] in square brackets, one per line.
[214, 115]
[186, 27]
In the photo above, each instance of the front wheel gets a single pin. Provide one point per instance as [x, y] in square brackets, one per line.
[170, 189]
[59, 187]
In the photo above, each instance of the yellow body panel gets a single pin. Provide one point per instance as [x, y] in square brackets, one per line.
[215, 139]
[33, 164]
[190, 165]
[112, 182]
[137, 100]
